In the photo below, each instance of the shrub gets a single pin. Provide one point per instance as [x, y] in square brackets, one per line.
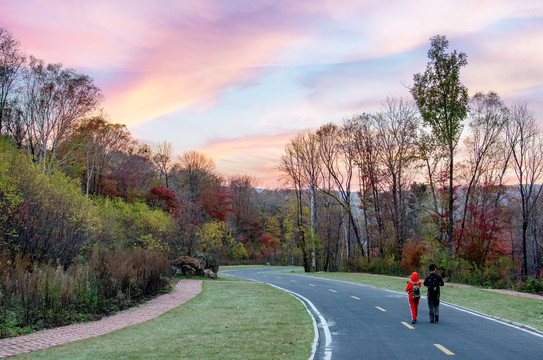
[37, 296]
[531, 285]
[411, 256]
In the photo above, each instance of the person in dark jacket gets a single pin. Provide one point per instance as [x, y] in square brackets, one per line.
[433, 282]
[413, 289]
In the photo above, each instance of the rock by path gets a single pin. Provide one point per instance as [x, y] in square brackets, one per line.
[183, 292]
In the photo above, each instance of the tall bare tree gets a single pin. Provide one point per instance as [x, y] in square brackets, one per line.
[291, 167]
[163, 159]
[53, 100]
[396, 130]
[195, 171]
[310, 166]
[11, 62]
[526, 143]
[488, 117]
[338, 154]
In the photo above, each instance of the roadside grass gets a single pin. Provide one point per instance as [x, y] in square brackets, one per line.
[513, 308]
[228, 320]
[245, 267]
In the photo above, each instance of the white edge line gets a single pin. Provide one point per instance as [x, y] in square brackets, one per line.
[327, 335]
[510, 323]
[326, 329]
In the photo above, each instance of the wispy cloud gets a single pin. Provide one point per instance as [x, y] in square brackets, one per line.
[255, 155]
[195, 70]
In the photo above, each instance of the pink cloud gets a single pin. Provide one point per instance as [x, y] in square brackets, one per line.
[256, 156]
[172, 53]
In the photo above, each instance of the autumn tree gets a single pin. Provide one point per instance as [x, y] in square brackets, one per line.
[244, 203]
[217, 202]
[129, 174]
[93, 143]
[443, 103]
[215, 239]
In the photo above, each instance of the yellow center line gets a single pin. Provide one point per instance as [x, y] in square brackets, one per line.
[444, 349]
[312, 285]
[332, 290]
[380, 308]
[407, 325]
[354, 297]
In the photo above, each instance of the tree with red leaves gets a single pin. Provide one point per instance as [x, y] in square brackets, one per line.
[217, 202]
[163, 198]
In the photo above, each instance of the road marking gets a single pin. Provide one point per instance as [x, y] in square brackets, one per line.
[407, 325]
[380, 308]
[332, 290]
[323, 325]
[354, 297]
[444, 349]
[312, 285]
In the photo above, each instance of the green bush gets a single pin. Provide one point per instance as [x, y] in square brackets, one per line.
[531, 285]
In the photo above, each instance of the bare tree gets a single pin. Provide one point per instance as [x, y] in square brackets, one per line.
[396, 130]
[291, 168]
[53, 100]
[162, 158]
[488, 117]
[431, 157]
[338, 154]
[526, 143]
[307, 151]
[11, 62]
[194, 171]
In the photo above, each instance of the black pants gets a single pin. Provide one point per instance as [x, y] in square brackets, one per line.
[433, 305]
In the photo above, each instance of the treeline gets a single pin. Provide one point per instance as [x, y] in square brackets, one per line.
[425, 180]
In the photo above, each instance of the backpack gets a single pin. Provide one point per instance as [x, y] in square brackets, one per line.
[416, 291]
[433, 286]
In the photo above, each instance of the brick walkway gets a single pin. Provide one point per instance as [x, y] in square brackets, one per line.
[183, 292]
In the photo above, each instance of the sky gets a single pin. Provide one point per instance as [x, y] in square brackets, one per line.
[237, 79]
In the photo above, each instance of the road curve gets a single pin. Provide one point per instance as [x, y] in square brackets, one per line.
[362, 322]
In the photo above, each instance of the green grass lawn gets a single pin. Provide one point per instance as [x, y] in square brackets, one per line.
[228, 320]
[517, 309]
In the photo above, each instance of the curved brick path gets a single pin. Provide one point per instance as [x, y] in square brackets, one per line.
[183, 292]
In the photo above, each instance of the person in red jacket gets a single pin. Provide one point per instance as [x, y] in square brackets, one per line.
[413, 288]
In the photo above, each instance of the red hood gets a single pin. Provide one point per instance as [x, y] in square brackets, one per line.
[415, 277]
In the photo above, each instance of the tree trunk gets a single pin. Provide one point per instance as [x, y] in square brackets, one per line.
[451, 201]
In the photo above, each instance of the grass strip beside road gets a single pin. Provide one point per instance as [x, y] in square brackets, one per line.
[513, 308]
[228, 320]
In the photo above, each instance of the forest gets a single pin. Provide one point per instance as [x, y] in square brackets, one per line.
[91, 218]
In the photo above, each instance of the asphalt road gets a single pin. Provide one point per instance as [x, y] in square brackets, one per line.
[361, 322]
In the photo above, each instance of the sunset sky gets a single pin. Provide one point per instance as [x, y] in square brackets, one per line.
[236, 79]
